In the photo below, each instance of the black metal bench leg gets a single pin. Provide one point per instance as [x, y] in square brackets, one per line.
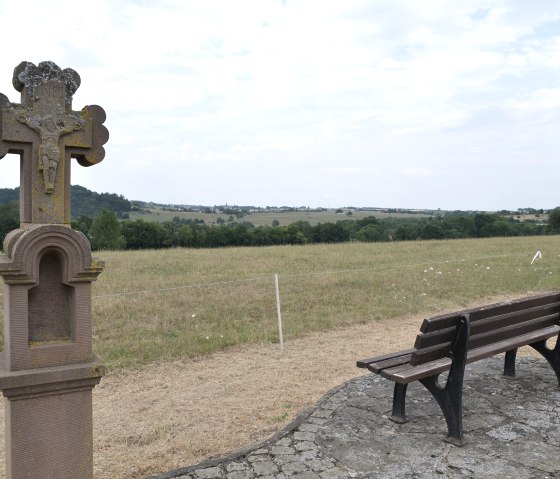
[399, 400]
[450, 397]
[551, 355]
[450, 401]
[509, 363]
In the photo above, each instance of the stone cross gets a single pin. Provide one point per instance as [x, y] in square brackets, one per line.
[47, 368]
[46, 133]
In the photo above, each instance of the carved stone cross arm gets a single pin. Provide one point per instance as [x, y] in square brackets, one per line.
[46, 133]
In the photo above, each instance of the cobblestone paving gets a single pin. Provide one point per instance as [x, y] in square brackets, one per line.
[512, 428]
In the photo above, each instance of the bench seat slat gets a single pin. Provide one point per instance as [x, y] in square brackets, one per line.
[389, 372]
[405, 375]
[476, 314]
[389, 363]
[364, 363]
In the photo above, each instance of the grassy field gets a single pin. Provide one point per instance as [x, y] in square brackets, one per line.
[161, 305]
[266, 218]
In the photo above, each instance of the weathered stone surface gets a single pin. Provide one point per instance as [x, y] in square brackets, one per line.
[47, 369]
[265, 468]
[334, 473]
[320, 464]
[285, 459]
[45, 131]
[285, 441]
[248, 474]
[259, 457]
[237, 466]
[512, 430]
[305, 446]
[323, 413]
[281, 450]
[294, 467]
[304, 436]
[209, 473]
[309, 427]
[305, 475]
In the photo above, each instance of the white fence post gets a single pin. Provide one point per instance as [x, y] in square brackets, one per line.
[279, 311]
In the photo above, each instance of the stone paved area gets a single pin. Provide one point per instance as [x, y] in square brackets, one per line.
[512, 428]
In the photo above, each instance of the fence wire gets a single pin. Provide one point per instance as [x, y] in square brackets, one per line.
[309, 274]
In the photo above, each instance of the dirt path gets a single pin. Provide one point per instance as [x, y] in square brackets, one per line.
[176, 414]
[171, 415]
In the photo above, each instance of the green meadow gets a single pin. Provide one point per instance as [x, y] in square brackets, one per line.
[166, 304]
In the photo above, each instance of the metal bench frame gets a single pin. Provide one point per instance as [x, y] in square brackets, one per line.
[450, 396]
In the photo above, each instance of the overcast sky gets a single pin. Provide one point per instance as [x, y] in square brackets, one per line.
[414, 104]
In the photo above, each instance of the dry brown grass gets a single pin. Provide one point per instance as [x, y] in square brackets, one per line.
[169, 415]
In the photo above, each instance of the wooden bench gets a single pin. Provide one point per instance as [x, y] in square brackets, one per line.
[447, 343]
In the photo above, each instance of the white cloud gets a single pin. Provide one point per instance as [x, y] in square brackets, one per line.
[391, 90]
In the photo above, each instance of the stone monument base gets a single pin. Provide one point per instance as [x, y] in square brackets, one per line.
[44, 410]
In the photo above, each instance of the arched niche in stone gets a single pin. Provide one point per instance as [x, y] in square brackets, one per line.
[51, 303]
[47, 271]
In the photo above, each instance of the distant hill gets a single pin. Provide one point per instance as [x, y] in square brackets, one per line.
[8, 194]
[84, 201]
[90, 203]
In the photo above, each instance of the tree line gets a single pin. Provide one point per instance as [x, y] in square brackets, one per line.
[105, 231]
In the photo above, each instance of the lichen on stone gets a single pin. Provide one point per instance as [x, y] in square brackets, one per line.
[27, 75]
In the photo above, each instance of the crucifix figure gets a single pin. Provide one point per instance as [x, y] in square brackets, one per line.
[46, 133]
[49, 152]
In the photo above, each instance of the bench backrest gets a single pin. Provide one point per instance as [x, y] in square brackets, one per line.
[488, 324]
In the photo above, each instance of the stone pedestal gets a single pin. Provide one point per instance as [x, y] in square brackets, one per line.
[47, 369]
[49, 422]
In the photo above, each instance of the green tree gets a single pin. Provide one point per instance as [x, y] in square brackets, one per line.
[185, 236]
[554, 221]
[9, 194]
[9, 218]
[497, 228]
[432, 230]
[105, 232]
[142, 234]
[482, 222]
[330, 233]
[219, 236]
[369, 234]
[83, 224]
[295, 234]
[242, 232]
[407, 231]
